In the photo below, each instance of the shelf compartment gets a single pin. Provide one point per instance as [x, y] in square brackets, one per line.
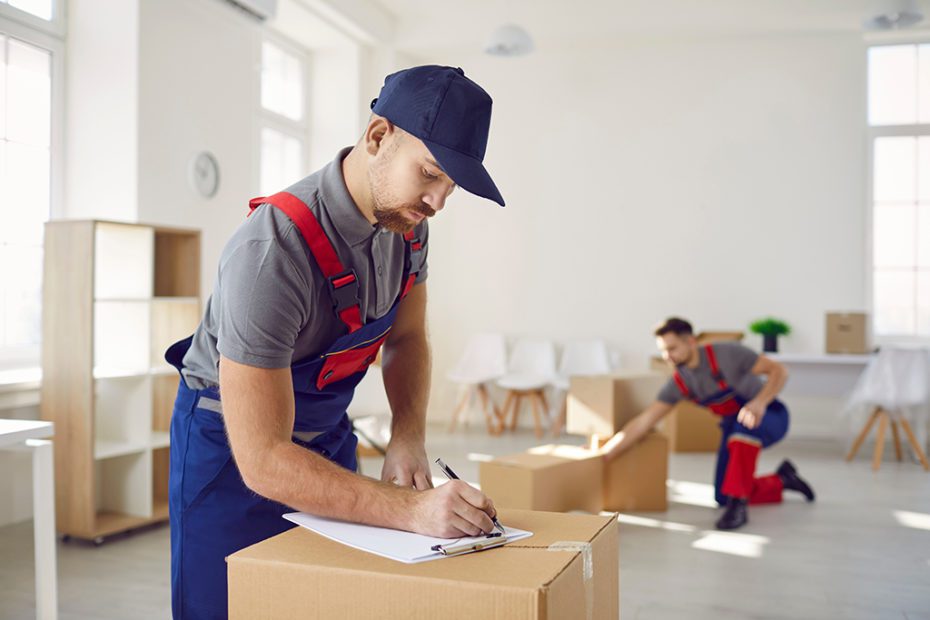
[123, 485]
[120, 341]
[122, 416]
[172, 320]
[123, 261]
[177, 263]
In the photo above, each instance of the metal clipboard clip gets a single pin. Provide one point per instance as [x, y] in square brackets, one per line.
[491, 541]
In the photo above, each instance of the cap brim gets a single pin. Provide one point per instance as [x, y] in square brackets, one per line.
[467, 172]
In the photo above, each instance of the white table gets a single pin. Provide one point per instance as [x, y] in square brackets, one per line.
[31, 436]
[818, 386]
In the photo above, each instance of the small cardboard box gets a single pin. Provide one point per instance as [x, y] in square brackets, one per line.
[569, 568]
[601, 405]
[552, 478]
[636, 480]
[691, 428]
[847, 332]
[719, 336]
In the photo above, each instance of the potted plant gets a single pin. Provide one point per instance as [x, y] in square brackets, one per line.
[770, 328]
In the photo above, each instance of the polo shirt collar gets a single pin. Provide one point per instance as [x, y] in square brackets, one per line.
[342, 210]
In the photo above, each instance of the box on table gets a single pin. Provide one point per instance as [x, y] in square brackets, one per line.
[691, 428]
[847, 332]
[552, 478]
[601, 405]
[569, 568]
[636, 480]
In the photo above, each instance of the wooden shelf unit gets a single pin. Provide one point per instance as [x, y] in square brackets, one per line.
[115, 295]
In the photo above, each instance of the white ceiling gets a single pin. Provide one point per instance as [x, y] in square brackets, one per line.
[437, 24]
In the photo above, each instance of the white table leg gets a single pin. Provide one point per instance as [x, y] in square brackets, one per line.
[43, 506]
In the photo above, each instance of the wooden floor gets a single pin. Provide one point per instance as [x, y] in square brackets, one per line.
[861, 551]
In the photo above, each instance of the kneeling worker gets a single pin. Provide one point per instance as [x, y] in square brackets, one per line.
[724, 377]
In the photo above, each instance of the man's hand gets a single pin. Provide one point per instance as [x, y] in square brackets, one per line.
[406, 465]
[751, 414]
[452, 510]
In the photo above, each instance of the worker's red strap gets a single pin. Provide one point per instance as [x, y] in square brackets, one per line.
[345, 300]
[681, 385]
[715, 368]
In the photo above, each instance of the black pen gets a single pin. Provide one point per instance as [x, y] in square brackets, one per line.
[451, 476]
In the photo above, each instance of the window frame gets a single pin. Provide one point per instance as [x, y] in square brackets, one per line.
[874, 132]
[35, 31]
[268, 119]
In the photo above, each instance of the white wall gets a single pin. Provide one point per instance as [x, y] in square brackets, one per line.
[718, 179]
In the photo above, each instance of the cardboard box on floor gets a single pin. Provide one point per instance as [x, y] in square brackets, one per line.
[552, 478]
[601, 405]
[636, 480]
[569, 568]
[691, 428]
[847, 332]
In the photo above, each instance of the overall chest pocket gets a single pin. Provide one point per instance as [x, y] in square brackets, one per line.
[343, 364]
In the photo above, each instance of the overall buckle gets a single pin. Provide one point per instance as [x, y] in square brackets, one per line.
[344, 289]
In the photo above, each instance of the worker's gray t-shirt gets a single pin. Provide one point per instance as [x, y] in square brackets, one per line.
[271, 305]
[735, 362]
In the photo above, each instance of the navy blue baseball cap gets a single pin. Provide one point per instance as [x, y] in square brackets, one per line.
[450, 114]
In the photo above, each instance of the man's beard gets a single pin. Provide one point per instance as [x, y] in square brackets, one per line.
[387, 209]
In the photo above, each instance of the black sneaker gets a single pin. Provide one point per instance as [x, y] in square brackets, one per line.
[790, 478]
[736, 514]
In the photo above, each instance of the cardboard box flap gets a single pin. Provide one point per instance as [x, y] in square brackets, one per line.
[507, 566]
[551, 527]
[542, 457]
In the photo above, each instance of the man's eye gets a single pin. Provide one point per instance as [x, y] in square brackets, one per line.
[427, 174]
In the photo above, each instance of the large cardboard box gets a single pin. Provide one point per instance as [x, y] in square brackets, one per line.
[690, 427]
[636, 480]
[552, 478]
[847, 332]
[569, 568]
[601, 405]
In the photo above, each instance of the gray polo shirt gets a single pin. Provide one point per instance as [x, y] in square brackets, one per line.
[271, 305]
[735, 362]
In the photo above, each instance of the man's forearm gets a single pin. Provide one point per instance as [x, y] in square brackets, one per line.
[305, 481]
[406, 370]
[773, 385]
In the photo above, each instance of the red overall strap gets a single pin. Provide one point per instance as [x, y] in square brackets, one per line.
[323, 252]
[415, 246]
[715, 368]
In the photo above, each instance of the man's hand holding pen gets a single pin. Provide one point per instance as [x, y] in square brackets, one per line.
[452, 510]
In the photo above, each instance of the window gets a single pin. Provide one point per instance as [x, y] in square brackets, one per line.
[899, 120]
[29, 67]
[283, 117]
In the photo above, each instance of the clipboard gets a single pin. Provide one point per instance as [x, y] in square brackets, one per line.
[401, 546]
[480, 545]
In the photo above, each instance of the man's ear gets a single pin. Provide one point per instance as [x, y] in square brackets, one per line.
[378, 129]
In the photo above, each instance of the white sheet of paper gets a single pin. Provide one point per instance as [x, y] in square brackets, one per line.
[404, 547]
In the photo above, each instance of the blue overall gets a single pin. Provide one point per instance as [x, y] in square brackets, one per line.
[745, 443]
[212, 513]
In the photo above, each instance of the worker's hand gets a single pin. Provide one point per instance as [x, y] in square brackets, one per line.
[751, 414]
[452, 510]
[406, 465]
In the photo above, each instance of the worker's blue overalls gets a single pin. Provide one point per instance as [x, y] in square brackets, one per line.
[212, 513]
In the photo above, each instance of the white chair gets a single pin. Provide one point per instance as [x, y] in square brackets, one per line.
[531, 369]
[895, 384]
[579, 358]
[483, 361]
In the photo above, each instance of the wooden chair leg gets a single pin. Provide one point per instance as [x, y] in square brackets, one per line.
[916, 446]
[897, 439]
[535, 401]
[517, 401]
[508, 403]
[490, 416]
[559, 422]
[880, 440]
[466, 398]
[862, 435]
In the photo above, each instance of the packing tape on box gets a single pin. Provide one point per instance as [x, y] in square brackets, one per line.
[587, 560]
